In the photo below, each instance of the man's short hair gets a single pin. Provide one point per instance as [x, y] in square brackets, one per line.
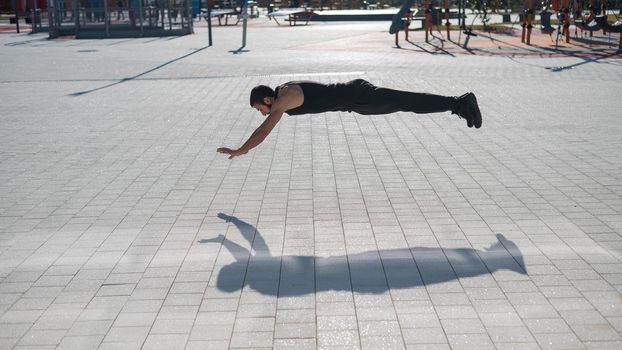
[259, 92]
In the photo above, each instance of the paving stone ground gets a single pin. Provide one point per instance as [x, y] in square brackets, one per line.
[122, 228]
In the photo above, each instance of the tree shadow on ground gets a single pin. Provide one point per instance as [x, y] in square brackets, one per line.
[366, 272]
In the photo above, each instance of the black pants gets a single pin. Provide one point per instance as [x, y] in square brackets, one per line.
[369, 99]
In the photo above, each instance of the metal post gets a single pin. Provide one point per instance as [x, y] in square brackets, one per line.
[51, 30]
[244, 20]
[460, 14]
[209, 21]
[463, 13]
[427, 24]
[14, 8]
[188, 5]
[191, 23]
[76, 15]
[33, 20]
[447, 24]
[140, 15]
[106, 24]
[36, 14]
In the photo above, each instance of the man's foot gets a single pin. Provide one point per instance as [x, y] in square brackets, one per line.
[468, 109]
[396, 24]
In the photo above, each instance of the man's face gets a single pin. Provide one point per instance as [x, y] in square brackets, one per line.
[263, 108]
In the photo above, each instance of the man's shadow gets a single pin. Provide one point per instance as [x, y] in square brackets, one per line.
[366, 272]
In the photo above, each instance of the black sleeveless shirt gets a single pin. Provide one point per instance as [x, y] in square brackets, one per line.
[320, 98]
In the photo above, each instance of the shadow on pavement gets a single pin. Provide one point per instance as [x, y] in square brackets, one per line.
[367, 272]
[80, 93]
[239, 50]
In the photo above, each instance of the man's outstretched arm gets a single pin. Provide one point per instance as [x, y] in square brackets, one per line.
[289, 97]
[256, 137]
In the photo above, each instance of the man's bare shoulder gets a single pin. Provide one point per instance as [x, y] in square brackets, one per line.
[291, 88]
[289, 96]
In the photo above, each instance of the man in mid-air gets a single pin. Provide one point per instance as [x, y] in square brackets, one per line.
[360, 96]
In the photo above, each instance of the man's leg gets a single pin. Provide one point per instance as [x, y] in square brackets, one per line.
[391, 101]
[375, 100]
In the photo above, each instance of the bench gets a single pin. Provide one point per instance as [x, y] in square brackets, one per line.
[292, 15]
[223, 13]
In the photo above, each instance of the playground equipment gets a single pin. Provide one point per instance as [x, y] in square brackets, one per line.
[545, 22]
[428, 15]
[527, 19]
[565, 11]
[406, 23]
[597, 20]
[564, 20]
[590, 24]
[482, 11]
[398, 18]
[447, 23]
[427, 24]
[562, 10]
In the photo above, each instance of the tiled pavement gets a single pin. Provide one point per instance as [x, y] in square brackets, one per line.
[122, 228]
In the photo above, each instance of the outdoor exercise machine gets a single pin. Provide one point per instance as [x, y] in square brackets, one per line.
[427, 24]
[563, 16]
[597, 20]
[562, 9]
[527, 20]
[447, 23]
[428, 15]
[406, 23]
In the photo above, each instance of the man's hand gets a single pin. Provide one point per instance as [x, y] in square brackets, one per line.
[231, 152]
